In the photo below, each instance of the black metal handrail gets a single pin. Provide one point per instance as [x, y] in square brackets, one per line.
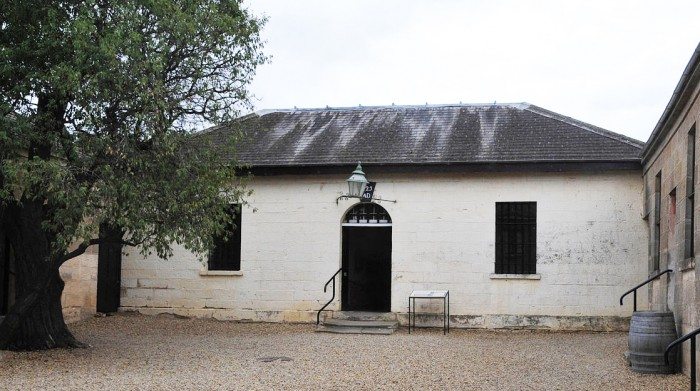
[691, 335]
[634, 290]
[332, 279]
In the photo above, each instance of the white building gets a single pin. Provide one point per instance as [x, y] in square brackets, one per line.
[529, 218]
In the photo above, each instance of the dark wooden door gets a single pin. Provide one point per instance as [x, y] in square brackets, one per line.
[8, 277]
[4, 275]
[109, 271]
[366, 284]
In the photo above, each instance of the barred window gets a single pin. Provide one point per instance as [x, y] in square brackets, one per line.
[226, 254]
[516, 237]
[367, 213]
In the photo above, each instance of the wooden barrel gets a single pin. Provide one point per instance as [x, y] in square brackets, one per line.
[650, 334]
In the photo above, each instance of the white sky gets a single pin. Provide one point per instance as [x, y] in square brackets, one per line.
[611, 63]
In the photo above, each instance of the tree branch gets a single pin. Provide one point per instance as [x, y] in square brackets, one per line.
[83, 247]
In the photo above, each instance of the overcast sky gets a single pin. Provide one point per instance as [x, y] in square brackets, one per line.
[613, 64]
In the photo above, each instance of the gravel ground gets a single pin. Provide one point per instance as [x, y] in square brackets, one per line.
[139, 352]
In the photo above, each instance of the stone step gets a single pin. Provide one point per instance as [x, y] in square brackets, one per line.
[362, 323]
[364, 315]
[353, 330]
[343, 326]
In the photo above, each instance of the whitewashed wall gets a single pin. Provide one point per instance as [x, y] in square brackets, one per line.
[591, 247]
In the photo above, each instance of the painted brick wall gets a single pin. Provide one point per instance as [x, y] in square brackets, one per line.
[591, 247]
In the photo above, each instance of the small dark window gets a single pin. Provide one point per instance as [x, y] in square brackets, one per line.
[226, 254]
[671, 215]
[690, 197]
[516, 237]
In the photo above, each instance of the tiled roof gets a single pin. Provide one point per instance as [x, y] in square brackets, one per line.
[444, 134]
[681, 95]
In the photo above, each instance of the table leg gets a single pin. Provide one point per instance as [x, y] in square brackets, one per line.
[448, 311]
[414, 314]
[444, 315]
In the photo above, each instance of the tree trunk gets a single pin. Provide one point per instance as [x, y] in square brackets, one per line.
[35, 321]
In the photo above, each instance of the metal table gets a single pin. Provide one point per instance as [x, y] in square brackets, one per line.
[444, 295]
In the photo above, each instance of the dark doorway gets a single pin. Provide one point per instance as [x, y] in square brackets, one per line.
[109, 270]
[7, 277]
[366, 283]
[367, 269]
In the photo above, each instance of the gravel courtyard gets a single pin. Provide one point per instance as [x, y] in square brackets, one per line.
[139, 352]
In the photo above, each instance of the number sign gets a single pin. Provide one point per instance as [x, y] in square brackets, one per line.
[369, 192]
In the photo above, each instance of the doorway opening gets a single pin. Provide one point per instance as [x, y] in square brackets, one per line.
[366, 259]
[8, 280]
[109, 270]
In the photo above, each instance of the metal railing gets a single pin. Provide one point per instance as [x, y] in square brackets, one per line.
[691, 335]
[634, 290]
[332, 279]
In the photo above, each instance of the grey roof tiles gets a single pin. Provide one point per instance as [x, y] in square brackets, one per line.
[444, 134]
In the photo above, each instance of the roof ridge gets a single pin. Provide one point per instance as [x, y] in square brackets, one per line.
[586, 126]
[517, 105]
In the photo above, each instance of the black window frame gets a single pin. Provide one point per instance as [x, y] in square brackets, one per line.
[226, 254]
[516, 237]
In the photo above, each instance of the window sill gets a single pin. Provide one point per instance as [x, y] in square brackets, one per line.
[495, 276]
[688, 264]
[205, 272]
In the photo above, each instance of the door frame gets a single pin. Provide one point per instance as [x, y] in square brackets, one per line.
[343, 291]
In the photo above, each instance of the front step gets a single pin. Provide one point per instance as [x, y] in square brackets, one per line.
[347, 322]
[364, 315]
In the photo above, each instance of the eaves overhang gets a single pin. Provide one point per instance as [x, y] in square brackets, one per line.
[452, 167]
[680, 96]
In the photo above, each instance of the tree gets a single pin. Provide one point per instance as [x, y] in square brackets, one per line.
[98, 104]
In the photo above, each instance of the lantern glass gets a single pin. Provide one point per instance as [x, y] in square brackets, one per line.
[357, 182]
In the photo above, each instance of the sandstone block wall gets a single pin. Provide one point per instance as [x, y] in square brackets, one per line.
[679, 292]
[80, 292]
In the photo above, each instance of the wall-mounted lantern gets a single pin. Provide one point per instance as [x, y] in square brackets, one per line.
[358, 187]
[357, 183]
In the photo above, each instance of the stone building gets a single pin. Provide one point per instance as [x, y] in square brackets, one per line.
[670, 179]
[529, 218]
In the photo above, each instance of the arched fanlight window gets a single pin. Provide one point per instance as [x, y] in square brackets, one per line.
[367, 213]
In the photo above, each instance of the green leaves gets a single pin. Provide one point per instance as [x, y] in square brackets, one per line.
[98, 101]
